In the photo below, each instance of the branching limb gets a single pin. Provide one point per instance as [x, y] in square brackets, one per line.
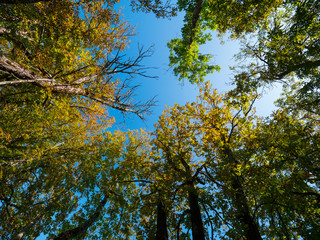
[82, 228]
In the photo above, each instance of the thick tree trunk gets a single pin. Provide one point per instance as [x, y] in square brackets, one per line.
[251, 229]
[196, 219]
[82, 228]
[303, 65]
[162, 233]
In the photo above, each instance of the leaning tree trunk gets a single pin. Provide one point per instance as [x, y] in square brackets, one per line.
[251, 229]
[195, 18]
[20, 75]
[82, 228]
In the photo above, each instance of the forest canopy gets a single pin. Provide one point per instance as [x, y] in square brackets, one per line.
[210, 169]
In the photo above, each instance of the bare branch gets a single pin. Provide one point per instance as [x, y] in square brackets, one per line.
[121, 101]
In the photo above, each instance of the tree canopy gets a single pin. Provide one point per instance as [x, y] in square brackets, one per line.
[210, 169]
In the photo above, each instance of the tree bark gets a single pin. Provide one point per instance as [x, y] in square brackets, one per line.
[195, 19]
[22, 75]
[162, 233]
[82, 228]
[251, 229]
[196, 219]
[305, 65]
[193, 199]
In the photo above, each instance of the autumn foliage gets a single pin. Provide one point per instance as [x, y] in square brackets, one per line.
[210, 169]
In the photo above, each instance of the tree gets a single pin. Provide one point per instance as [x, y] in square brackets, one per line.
[289, 143]
[87, 66]
[236, 17]
[61, 65]
[189, 129]
[286, 51]
[279, 37]
[85, 192]
[173, 137]
[254, 177]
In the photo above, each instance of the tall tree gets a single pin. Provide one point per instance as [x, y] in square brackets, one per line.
[286, 50]
[80, 59]
[174, 135]
[279, 37]
[236, 17]
[203, 130]
[61, 67]
[255, 177]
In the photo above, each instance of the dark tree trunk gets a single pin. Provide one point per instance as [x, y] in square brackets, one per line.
[196, 220]
[82, 228]
[251, 229]
[195, 19]
[162, 233]
[303, 65]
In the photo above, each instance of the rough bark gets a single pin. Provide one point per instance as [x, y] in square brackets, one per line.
[82, 228]
[162, 232]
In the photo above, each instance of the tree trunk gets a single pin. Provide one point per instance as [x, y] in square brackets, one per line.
[196, 220]
[162, 233]
[195, 19]
[22, 75]
[251, 229]
[82, 228]
[303, 65]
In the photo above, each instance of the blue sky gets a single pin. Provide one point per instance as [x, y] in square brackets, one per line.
[167, 89]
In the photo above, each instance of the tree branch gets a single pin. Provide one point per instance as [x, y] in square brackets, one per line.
[195, 18]
[119, 102]
[82, 228]
[306, 64]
